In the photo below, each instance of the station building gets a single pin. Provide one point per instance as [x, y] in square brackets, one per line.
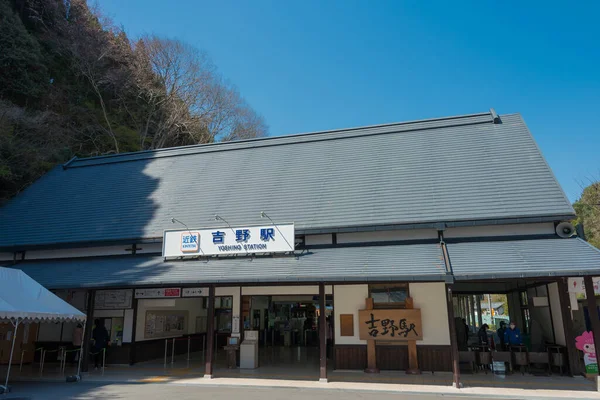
[370, 244]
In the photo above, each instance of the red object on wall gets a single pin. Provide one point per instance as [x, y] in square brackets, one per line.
[172, 292]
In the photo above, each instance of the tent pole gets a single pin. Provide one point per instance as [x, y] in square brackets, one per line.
[81, 349]
[12, 349]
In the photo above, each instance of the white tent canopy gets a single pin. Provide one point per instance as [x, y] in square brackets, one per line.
[24, 300]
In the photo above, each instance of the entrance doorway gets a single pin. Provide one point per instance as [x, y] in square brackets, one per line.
[518, 329]
[288, 331]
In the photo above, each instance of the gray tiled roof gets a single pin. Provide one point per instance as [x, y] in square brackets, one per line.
[418, 262]
[523, 258]
[450, 169]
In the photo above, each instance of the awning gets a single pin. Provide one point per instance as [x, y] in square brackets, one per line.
[416, 262]
[22, 298]
[523, 258]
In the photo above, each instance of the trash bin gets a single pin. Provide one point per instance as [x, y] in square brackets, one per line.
[231, 355]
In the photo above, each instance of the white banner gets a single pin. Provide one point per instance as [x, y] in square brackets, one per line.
[229, 241]
[157, 293]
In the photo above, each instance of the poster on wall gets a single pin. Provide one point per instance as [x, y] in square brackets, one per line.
[577, 286]
[235, 324]
[165, 323]
[113, 299]
[585, 343]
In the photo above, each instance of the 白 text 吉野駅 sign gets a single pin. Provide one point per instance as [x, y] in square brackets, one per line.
[390, 325]
[229, 241]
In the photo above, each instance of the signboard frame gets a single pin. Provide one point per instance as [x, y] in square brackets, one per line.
[230, 241]
[404, 324]
[158, 293]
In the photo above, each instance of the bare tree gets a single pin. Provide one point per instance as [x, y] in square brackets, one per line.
[187, 100]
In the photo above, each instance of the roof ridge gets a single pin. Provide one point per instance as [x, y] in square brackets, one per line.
[122, 157]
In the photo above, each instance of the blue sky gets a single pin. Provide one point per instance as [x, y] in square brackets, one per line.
[317, 65]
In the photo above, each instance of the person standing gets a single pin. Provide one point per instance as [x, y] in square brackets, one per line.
[482, 335]
[329, 336]
[76, 342]
[500, 333]
[512, 336]
[100, 336]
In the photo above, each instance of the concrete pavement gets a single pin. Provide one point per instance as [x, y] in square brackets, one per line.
[259, 389]
[153, 391]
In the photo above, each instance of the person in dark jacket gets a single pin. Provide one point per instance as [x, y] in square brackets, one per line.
[500, 333]
[512, 336]
[482, 334]
[100, 336]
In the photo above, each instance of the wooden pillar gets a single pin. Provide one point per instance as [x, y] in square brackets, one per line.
[132, 351]
[565, 309]
[371, 349]
[473, 307]
[210, 334]
[322, 335]
[413, 359]
[593, 312]
[89, 323]
[453, 340]
[469, 315]
[479, 316]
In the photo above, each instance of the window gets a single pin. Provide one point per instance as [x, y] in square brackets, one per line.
[524, 303]
[389, 296]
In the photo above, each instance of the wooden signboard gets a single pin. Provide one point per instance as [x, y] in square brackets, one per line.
[390, 325]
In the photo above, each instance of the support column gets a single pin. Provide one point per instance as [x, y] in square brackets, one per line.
[479, 314]
[565, 309]
[593, 312]
[453, 340]
[89, 323]
[210, 333]
[322, 335]
[132, 355]
[469, 314]
[473, 308]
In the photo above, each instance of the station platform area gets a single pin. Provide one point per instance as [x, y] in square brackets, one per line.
[296, 367]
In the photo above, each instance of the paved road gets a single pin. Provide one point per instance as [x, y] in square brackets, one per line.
[93, 391]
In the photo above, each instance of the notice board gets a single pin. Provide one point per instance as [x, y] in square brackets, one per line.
[165, 323]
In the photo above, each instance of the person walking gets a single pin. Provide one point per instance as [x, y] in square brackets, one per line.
[100, 336]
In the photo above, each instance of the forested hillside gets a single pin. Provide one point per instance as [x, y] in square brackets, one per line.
[71, 83]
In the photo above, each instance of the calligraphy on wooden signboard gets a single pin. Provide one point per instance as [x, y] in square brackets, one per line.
[390, 325]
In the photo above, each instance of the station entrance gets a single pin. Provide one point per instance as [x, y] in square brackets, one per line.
[288, 331]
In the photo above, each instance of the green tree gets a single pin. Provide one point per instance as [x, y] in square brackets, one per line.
[72, 83]
[23, 75]
[588, 213]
